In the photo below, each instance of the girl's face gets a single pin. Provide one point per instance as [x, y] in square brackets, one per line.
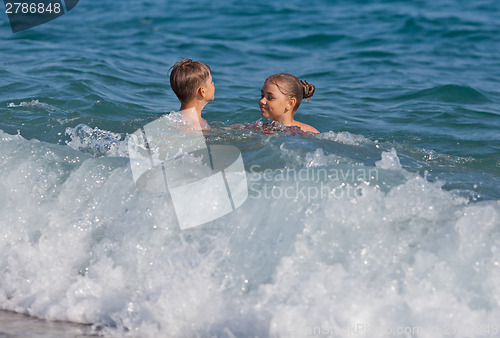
[274, 104]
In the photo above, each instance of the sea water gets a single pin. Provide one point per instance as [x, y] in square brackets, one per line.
[386, 224]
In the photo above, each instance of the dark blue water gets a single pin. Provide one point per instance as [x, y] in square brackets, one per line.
[420, 77]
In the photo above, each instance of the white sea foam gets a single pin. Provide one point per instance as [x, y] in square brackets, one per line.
[32, 103]
[344, 137]
[400, 258]
[101, 142]
[96, 141]
[390, 160]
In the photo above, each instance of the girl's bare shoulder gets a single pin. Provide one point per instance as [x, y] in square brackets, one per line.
[306, 127]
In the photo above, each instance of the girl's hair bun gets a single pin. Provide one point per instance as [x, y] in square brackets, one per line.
[308, 89]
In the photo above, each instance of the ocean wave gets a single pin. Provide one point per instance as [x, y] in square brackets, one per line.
[449, 93]
[303, 252]
[314, 39]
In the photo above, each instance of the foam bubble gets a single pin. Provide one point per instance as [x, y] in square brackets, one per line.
[390, 160]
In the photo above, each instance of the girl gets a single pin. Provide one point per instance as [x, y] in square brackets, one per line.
[281, 96]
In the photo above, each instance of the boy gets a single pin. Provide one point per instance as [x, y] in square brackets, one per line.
[192, 82]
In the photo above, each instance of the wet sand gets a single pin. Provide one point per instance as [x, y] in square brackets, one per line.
[18, 325]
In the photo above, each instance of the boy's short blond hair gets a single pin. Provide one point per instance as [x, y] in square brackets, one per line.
[186, 77]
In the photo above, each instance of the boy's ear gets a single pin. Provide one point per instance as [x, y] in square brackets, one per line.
[201, 91]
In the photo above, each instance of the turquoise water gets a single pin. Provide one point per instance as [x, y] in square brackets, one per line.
[421, 75]
[409, 89]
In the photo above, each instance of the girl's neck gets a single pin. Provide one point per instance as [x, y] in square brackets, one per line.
[287, 122]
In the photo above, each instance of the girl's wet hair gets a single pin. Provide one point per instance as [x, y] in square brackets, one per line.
[290, 86]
